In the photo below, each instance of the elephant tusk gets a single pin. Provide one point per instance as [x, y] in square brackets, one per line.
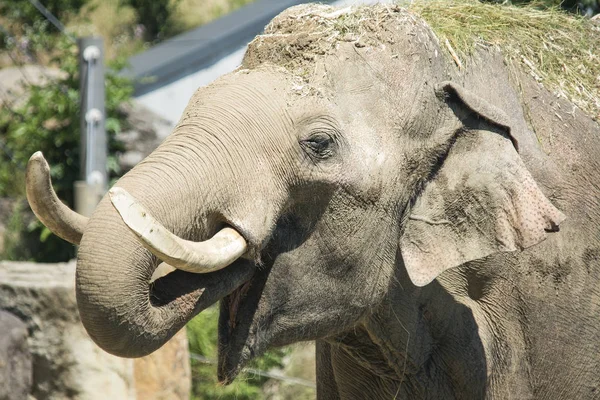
[59, 218]
[221, 250]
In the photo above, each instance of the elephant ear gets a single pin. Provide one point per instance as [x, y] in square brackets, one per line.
[481, 201]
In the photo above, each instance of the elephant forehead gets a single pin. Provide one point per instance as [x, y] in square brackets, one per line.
[256, 94]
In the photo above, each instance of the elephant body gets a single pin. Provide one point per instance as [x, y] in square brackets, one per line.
[435, 230]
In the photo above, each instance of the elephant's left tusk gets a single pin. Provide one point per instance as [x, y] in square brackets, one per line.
[221, 250]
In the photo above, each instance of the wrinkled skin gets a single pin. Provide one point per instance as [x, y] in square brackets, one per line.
[351, 188]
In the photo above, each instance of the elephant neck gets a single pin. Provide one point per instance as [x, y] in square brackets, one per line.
[364, 361]
[419, 343]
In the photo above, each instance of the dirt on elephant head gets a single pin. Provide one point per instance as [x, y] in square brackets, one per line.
[301, 35]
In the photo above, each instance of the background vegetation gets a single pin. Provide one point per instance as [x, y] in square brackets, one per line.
[202, 332]
[48, 120]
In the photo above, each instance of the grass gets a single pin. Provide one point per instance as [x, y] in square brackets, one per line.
[202, 335]
[561, 51]
[111, 20]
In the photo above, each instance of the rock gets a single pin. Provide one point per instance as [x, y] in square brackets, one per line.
[147, 131]
[66, 362]
[14, 80]
[15, 359]
[165, 374]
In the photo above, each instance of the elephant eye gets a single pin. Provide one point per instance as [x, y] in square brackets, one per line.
[319, 145]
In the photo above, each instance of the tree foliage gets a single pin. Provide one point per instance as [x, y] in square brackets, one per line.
[24, 12]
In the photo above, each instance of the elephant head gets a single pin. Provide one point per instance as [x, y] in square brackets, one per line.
[293, 190]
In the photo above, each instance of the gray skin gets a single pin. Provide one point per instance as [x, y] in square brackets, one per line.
[370, 174]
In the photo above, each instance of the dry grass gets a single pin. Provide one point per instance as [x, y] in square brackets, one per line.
[559, 50]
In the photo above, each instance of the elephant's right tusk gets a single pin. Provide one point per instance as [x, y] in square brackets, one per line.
[198, 257]
[59, 218]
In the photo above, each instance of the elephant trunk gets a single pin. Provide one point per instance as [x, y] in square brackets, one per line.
[122, 311]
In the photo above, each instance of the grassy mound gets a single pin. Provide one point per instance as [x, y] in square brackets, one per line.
[559, 50]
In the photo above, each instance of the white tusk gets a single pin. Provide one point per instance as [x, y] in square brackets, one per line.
[198, 257]
[59, 218]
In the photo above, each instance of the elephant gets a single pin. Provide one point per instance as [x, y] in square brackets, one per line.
[433, 229]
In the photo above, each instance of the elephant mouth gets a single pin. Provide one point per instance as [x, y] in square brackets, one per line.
[233, 303]
[222, 267]
[242, 330]
[183, 289]
[239, 288]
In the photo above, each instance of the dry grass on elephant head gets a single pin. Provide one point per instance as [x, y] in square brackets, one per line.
[561, 51]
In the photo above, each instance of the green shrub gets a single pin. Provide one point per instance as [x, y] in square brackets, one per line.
[27, 24]
[48, 120]
[24, 12]
[202, 335]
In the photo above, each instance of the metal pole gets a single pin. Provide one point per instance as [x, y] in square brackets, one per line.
[93, 149]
